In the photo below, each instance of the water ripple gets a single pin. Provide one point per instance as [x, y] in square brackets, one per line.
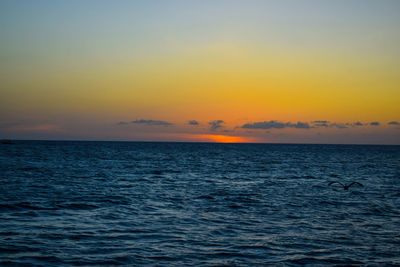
[170, 204]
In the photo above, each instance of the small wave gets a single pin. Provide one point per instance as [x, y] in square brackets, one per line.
[324, 261]
[24, 206]
[206, 197]
[78, 206]
[157, 172]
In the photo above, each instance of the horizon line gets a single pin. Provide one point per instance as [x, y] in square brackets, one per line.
[191, 142]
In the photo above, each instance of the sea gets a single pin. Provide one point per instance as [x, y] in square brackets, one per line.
[67, 203]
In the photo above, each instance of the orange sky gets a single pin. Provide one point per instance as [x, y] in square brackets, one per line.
[76, 75]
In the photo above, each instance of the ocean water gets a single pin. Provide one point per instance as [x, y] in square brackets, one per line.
[188, 204]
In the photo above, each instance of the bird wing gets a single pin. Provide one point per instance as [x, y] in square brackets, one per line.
[355, 183]
[335, 182]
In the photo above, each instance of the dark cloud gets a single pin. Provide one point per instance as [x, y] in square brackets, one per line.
[299, 125]
[338, 125]
[320, 123]
[275, 125]
[214, 125]
[394, 123]
[152, 122]
[193, 122]
[354, 124]
[264, 125]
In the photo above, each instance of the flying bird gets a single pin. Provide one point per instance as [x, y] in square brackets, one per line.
[345, 187]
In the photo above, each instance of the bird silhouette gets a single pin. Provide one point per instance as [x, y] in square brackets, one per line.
[345, 187]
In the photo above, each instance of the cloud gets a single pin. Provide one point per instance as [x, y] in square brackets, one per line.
[358, 124]
[338, 125]
[193, 122]
[276, 125]
[354, 124]
[320, 123]
[300, 125]
[394, 123]
[152, 122]
[214, 125]
[264, 125]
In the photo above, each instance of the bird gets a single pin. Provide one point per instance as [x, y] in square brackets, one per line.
[345, 187]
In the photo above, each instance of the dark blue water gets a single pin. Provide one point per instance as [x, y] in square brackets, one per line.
[180, 204]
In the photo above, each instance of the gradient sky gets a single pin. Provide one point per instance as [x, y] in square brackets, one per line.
[221, 71]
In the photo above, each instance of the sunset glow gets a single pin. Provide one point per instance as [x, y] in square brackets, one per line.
[74, 70]
[219, 138]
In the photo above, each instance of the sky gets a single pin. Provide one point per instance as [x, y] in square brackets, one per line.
[288, 71]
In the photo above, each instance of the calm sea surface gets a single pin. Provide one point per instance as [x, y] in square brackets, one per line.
[182, 204]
